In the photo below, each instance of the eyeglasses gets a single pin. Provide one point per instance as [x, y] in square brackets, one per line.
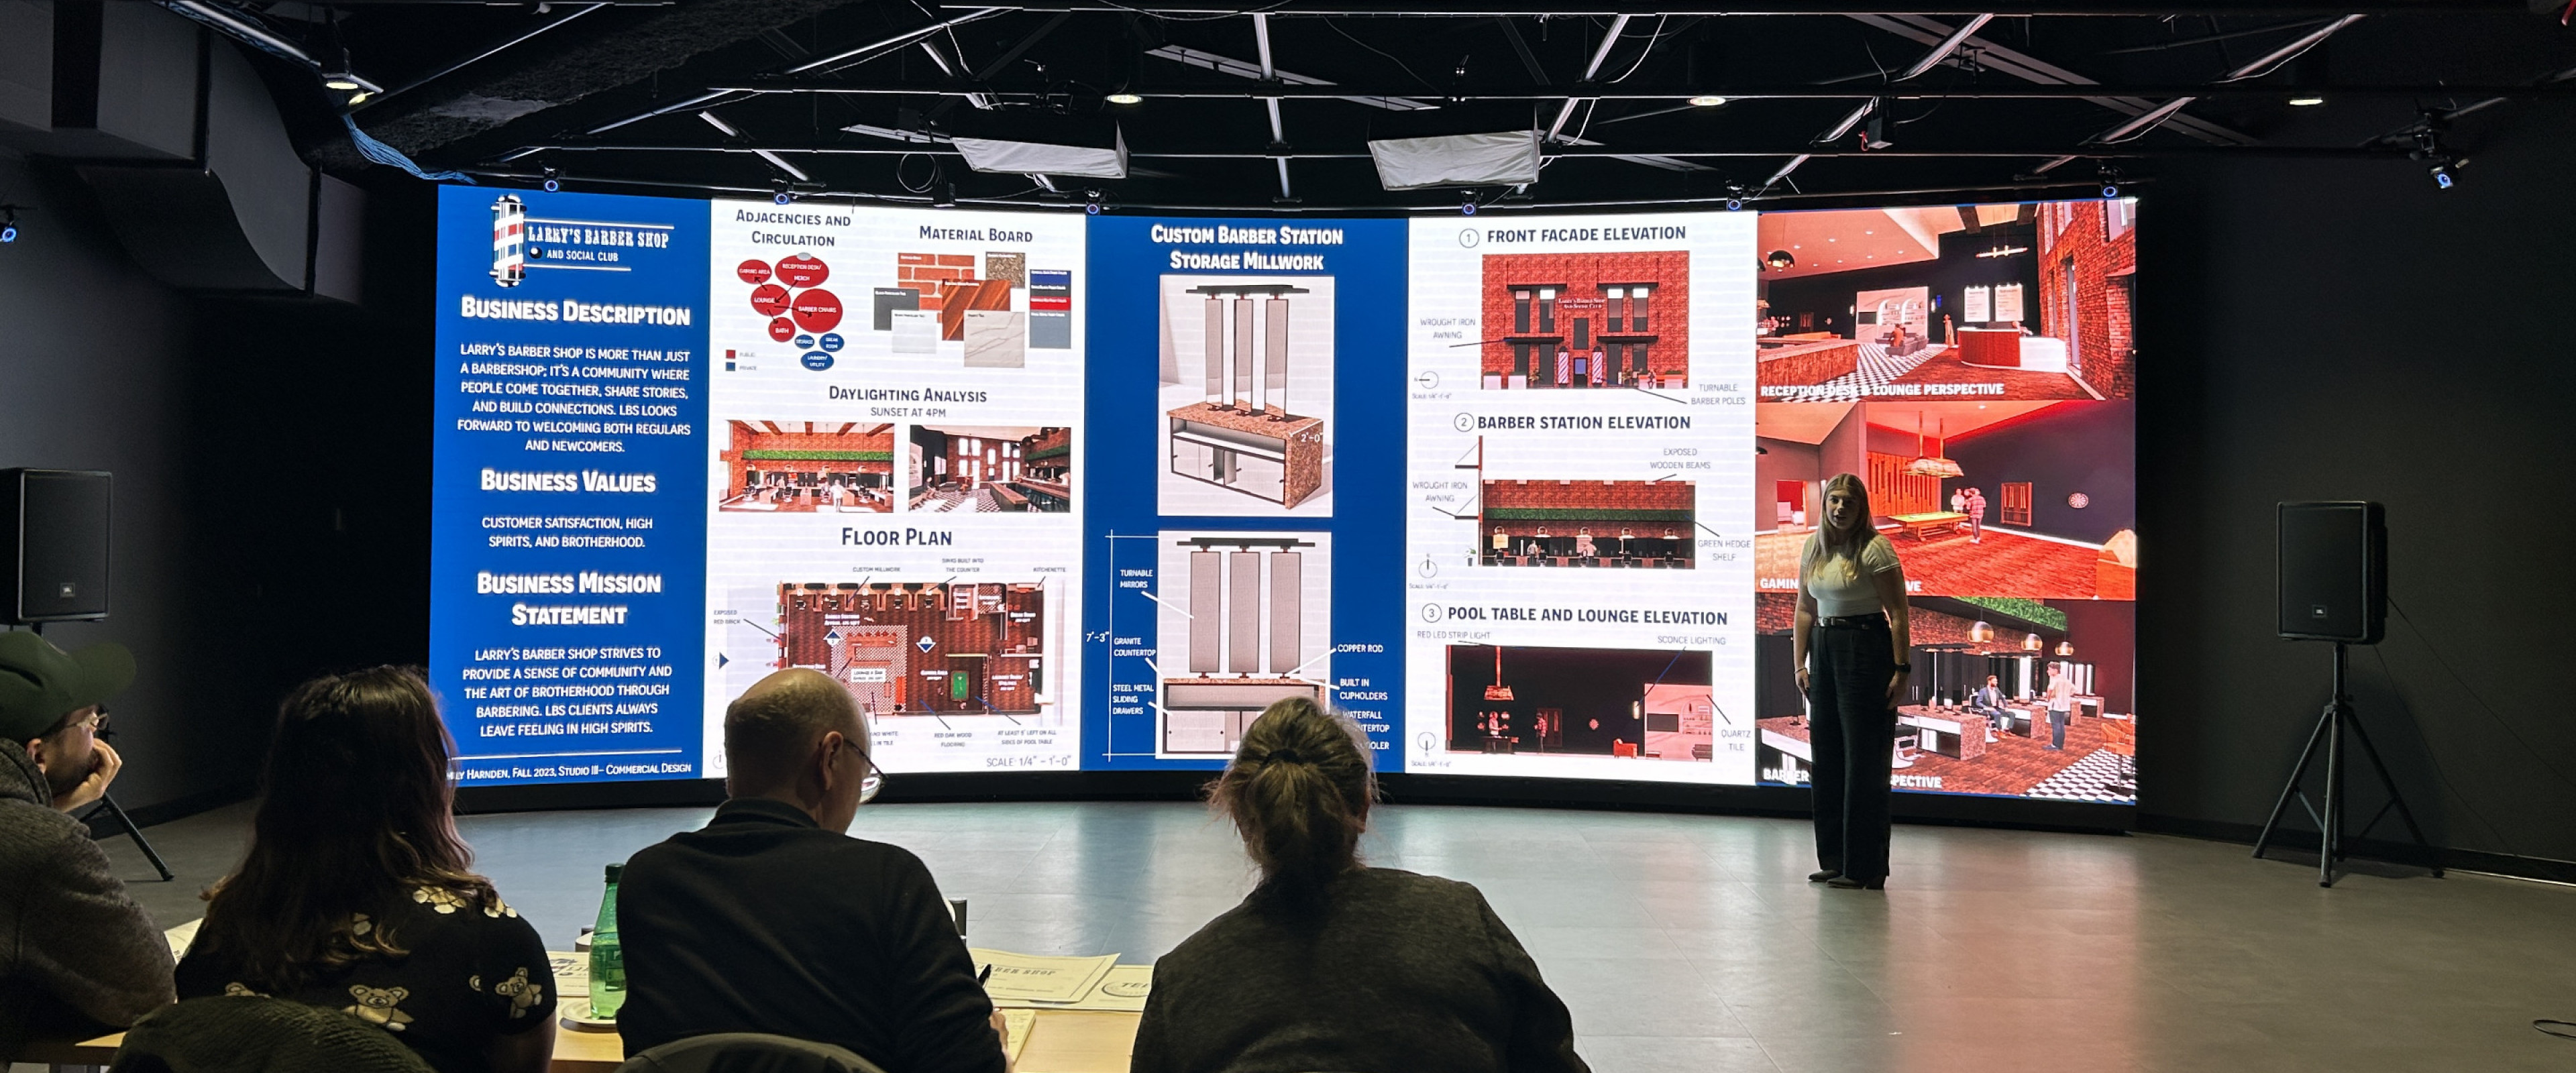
[96, 724]
[874, 778]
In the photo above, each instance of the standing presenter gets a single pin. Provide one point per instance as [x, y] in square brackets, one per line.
[1851, 648]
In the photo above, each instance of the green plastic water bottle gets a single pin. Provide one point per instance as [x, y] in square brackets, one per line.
[607, 961]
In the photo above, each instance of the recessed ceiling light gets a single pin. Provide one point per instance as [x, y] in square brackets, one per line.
[2304, 102]
[1123, 97]
[1707, 100]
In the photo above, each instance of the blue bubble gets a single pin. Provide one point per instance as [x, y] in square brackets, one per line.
[817, 360]
[832, 341]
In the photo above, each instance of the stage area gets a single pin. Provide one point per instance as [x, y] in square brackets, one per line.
[1693, 943]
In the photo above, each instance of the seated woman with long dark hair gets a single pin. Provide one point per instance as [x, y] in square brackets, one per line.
[357, 893]
[1330, 964]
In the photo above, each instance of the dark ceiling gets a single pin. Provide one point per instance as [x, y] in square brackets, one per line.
[860, 98]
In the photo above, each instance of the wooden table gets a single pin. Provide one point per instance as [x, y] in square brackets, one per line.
[1920, 526]
[1062, 1041]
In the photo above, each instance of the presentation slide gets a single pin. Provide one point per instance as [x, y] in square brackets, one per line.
[1579, 567]
[1522, 494]
[568, 499]
[1249, 396]
[896, 485]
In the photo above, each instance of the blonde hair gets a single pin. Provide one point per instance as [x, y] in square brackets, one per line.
[1845, 544]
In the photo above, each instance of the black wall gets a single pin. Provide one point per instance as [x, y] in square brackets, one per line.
[2347, 331]
[271, 457]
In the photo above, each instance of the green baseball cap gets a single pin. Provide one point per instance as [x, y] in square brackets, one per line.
[40, 684]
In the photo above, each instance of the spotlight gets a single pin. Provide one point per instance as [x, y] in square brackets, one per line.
[946, 198]
[1467, 203]
[2109, 191]
[1734, 196]
[2442, 175]
[2306, 102]
[551, 184]
[1734, 203]
[1779, 260]
[1123, 97]
[780, 193]
[342, 82]
[8, 223]
[1091, 202]
[1707, 100]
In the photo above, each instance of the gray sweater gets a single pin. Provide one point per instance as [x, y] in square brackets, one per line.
[75, 952]
[1398, 973]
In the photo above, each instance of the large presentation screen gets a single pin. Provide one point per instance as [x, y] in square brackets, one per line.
[1524, 496]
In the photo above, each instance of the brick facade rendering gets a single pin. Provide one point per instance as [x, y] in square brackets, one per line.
[2093, 244]
[1538, 304]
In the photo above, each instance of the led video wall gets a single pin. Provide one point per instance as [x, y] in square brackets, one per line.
[1522, 495]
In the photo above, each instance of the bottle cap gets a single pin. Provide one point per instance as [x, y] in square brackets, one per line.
[614, 870]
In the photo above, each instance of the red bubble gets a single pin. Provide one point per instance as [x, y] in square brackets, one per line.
[782, 329]
[769, 299]
[816, 311]
[802, 270]
[753, 271]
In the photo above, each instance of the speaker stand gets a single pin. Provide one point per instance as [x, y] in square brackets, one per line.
[2332, 724]
[107, 804]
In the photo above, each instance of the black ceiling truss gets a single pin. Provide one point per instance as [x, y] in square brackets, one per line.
[1269, 107]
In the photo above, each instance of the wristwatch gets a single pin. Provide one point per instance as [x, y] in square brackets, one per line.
[1906, 667]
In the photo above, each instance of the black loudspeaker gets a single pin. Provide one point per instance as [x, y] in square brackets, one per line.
[53, 543]
[2334, 572]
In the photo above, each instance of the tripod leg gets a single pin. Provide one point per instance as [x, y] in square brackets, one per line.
[2330, 840]
[2292, 788]
[136, 833]
[2403, 813]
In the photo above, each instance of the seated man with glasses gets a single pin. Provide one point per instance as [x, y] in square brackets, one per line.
[76, 954]
[771, 919]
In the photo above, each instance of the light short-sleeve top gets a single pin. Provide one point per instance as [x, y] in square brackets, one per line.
[1840, 585]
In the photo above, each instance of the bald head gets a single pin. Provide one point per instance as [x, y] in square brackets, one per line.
[770, 730]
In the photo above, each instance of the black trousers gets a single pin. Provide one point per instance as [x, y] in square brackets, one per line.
[1851, 728]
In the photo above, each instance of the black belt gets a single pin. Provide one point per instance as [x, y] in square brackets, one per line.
[1878, 619]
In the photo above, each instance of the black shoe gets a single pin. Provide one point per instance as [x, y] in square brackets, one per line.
[1848, 883]
[1826, 876]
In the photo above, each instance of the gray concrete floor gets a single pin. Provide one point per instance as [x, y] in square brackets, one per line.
[1693, 942]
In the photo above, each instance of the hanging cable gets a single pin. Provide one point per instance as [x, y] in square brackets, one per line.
[389, 156]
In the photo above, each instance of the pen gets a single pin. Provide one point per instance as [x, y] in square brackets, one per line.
[985, 975]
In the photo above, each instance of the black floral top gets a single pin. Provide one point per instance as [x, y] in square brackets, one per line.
[472, 975]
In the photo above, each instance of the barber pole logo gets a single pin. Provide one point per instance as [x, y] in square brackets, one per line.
[509, 241]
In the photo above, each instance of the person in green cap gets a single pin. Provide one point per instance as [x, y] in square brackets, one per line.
[76, 954]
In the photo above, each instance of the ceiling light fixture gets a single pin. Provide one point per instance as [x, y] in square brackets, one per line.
[1778, 260]
[1123, 97]
[552, 183]
[2306, 102]
[8, 223]
[1707, 100]
[1935, 464]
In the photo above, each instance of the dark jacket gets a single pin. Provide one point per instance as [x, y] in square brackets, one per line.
[1397, 973]
[76, 954]
[764, 922]
[258, 1034]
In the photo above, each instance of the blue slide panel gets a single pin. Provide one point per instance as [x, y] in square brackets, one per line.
[1151, 279]
[568, 549]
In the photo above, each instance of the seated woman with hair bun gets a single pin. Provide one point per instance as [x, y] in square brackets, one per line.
[1330, 964]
